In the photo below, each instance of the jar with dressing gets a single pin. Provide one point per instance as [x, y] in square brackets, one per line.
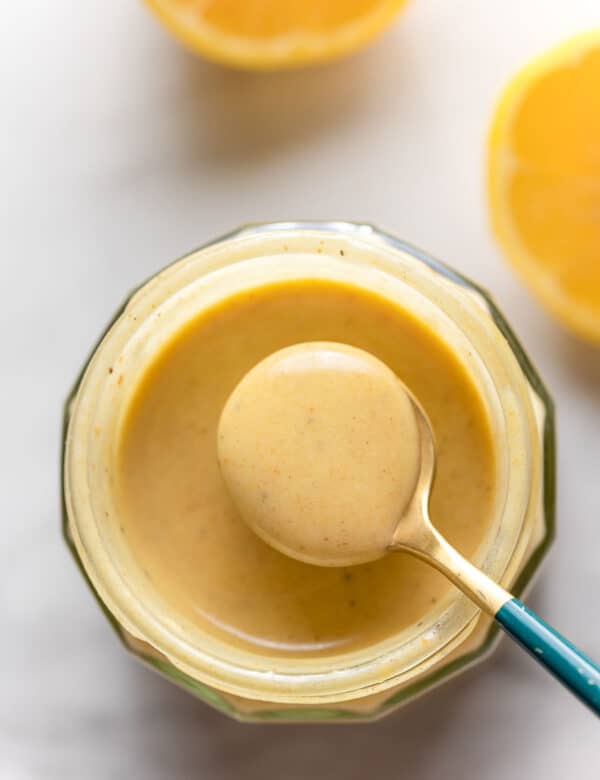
[188, 586]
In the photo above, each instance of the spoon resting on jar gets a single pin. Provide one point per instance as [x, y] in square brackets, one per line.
[330, 459]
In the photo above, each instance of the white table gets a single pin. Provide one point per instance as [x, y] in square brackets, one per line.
[120, 152]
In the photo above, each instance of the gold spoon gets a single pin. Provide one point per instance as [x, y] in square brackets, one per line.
[264, 430]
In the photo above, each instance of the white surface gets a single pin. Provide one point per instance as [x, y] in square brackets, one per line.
[120, 152]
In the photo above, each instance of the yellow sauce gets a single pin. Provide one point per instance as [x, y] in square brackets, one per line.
[183, 528]
[320, 450]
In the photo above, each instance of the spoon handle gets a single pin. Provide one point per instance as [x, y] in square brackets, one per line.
[416, 534]
[562, 659]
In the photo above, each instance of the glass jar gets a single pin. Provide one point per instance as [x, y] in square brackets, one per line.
[362, 684]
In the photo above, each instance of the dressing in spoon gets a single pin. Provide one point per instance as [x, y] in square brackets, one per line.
[331, 460]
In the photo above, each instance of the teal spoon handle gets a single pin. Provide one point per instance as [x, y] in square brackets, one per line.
[562, 659]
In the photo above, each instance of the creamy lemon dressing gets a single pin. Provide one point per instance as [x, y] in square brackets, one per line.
[183, 527]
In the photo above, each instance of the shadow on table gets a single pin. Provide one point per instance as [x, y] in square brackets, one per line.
[222, 117]
[196, 741]
[582, 361]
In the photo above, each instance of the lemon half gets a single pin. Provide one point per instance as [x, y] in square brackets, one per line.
[544, 180]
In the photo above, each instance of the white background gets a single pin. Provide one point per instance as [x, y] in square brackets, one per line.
[119, 152]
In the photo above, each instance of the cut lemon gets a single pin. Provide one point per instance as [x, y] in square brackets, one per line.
[272, 34]
[544, 180]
